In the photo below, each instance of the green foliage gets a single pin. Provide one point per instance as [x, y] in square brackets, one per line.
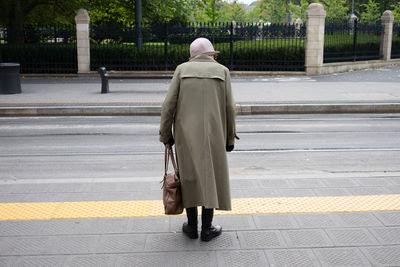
[299, 11]
[274, 11]
[159, 11]
[232, 11]
[212, 12]
[122, 11]
[372, 13]
[288, 54]
[254, 15]
[247, 55]
[396, 12]
[336, 10]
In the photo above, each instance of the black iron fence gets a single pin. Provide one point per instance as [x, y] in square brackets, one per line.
[43, 49]
[242, 46]
[351, 42]
[396, 41]
[248, 47]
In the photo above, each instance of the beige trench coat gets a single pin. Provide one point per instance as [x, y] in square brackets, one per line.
[200, 106]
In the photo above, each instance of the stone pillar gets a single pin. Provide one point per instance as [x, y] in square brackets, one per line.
[82, 40]
[260, 29]
[386, 37]
[298, 24]
[352, 21]
[234, 27]
[315, 38]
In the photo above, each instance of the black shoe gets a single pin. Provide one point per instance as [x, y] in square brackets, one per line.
[190, 231]
[210, 232]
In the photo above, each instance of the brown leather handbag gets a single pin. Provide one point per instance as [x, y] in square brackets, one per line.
[172, 194]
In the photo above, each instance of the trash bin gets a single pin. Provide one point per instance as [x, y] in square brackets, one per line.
[9, 78]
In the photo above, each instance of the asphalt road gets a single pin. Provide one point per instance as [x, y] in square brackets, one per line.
[127, 148]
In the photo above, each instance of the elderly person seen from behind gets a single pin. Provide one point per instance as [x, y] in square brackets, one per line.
[200, 107]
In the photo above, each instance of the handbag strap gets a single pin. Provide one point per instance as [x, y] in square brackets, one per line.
[169, 154]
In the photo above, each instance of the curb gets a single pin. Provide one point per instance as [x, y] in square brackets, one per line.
[240, 110]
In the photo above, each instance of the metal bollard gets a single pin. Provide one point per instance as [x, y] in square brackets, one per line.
[104, 80]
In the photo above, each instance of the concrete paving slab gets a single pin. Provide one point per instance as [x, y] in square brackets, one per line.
[254, 258]
[383, 256]
[121, 243]
[331, 192]
[274, 183]
[20, 228]
[90, 260]
[22, 245]
[351, 237]
[146, 259]
[341, 182]
[234, 223]
[359, 191]
[71, 244]
[194, 258]
[275, 221]
[355, 219]
[300, 192]
[316, 220]
[148, 225]
[341, 257]
[312, 238]
[261, 239]
[56, 261]
[387, 236]
[292, 257]
[65, 227]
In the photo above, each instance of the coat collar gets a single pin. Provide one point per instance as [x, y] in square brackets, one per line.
[202, 58]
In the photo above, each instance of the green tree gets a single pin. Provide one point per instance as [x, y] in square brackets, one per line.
[274, 11]
[336, 10]
[254, 15]
[372, 12]
[299, 10]
[16, 13]
[211, 11]
[396, 12]
[232, 11]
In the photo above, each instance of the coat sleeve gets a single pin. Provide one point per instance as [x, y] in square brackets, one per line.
[230, 111]
[169, 108]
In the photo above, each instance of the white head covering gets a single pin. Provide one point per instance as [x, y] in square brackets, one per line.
[201, 46]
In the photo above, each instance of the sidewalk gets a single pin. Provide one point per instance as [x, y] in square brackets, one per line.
[270, 239]
[368, 91]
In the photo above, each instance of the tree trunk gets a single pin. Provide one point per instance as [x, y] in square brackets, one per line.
[15, 27]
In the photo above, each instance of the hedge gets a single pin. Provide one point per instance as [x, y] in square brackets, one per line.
[271, 54]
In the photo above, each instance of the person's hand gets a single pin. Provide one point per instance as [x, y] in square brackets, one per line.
[170, 142]
[229, 148]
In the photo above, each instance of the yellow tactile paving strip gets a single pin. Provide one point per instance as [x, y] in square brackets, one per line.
[154, 208]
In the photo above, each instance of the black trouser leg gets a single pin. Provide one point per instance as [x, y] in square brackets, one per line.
[208, 231]
[206, 218]
[190, 228]
[191, 214]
